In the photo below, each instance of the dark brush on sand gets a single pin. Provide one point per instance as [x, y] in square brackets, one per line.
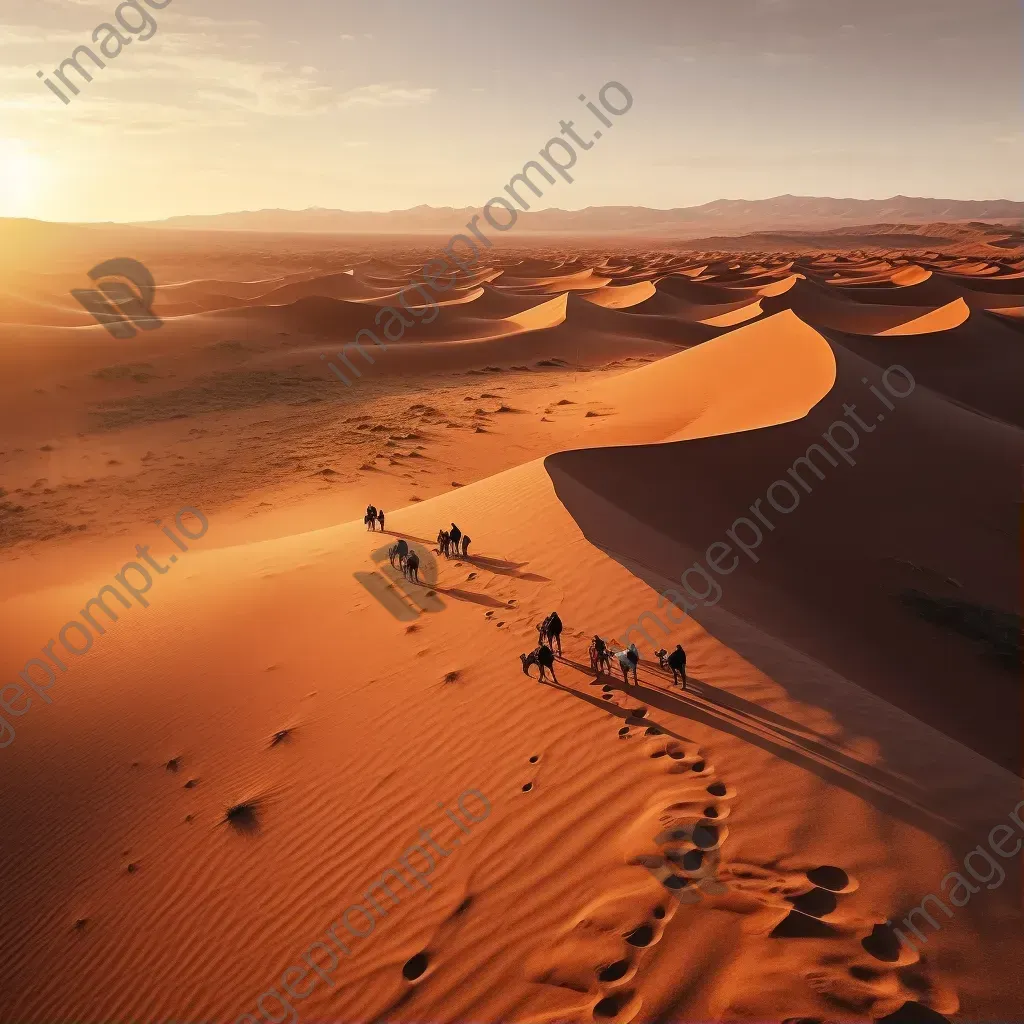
[321, 959]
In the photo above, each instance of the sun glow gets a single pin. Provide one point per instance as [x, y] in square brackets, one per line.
[21, 178]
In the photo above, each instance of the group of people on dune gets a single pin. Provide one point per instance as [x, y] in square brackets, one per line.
[549, 632]
[448, 542]
[549, 637]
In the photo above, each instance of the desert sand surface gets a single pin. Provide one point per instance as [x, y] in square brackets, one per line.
[232, 805]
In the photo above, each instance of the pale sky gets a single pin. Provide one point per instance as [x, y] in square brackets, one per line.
[247, 104]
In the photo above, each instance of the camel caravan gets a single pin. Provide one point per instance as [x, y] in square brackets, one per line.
[453, 543]
[408, 561]
[448, 542]
[549, 637]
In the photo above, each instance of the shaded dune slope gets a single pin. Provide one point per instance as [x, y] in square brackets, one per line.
[929, 504]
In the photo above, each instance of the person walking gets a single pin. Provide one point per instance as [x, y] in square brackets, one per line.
[380, 519]
[677, 662]
[371, 517]
[465, 545]
[555, 631]
[455, 535]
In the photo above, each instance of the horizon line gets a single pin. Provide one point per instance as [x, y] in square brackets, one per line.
[536, 210]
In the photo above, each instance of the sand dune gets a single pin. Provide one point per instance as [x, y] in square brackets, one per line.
[230, 772]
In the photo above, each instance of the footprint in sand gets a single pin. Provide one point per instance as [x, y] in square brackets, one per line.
[884, 979]
[415, 967]
[677, 839]
[877, 978]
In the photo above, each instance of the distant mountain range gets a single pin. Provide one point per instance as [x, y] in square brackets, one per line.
[723, 217]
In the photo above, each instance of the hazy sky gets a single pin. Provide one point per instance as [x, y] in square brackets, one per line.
[245, 104]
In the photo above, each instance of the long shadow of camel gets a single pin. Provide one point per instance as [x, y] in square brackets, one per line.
[467, 595]
[892, 795]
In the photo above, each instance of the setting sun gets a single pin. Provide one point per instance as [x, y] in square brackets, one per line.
[21, 171]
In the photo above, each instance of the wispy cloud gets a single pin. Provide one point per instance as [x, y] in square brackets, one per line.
[386, 95]
[194, 73]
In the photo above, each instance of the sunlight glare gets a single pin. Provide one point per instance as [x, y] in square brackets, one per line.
[21, 174]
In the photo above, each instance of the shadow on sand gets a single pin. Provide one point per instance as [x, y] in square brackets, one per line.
[707, 704]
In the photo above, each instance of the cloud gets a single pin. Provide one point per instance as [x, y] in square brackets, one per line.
[193, 73]
[384, 95]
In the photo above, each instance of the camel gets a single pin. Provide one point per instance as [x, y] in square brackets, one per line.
[412, 566]
[543, 658]
[550, 631]
[600, 662]
[628, 659]
[399, 551]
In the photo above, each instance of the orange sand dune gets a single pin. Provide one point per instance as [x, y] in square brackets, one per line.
[620, 297]
[15, 309]
[350, 286]
[821, 308]
[957, 455]
[579, 280]
[945, 318]
[293, 769]
[721, 314]
[977, 364]
[632, 323]
[672, 397]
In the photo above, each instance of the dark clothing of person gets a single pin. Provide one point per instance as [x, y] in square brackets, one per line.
[455, 534]
[465, 545]
[544, 656]
[380, 519]
[555, 629]
[677, 662]
[600, 647]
